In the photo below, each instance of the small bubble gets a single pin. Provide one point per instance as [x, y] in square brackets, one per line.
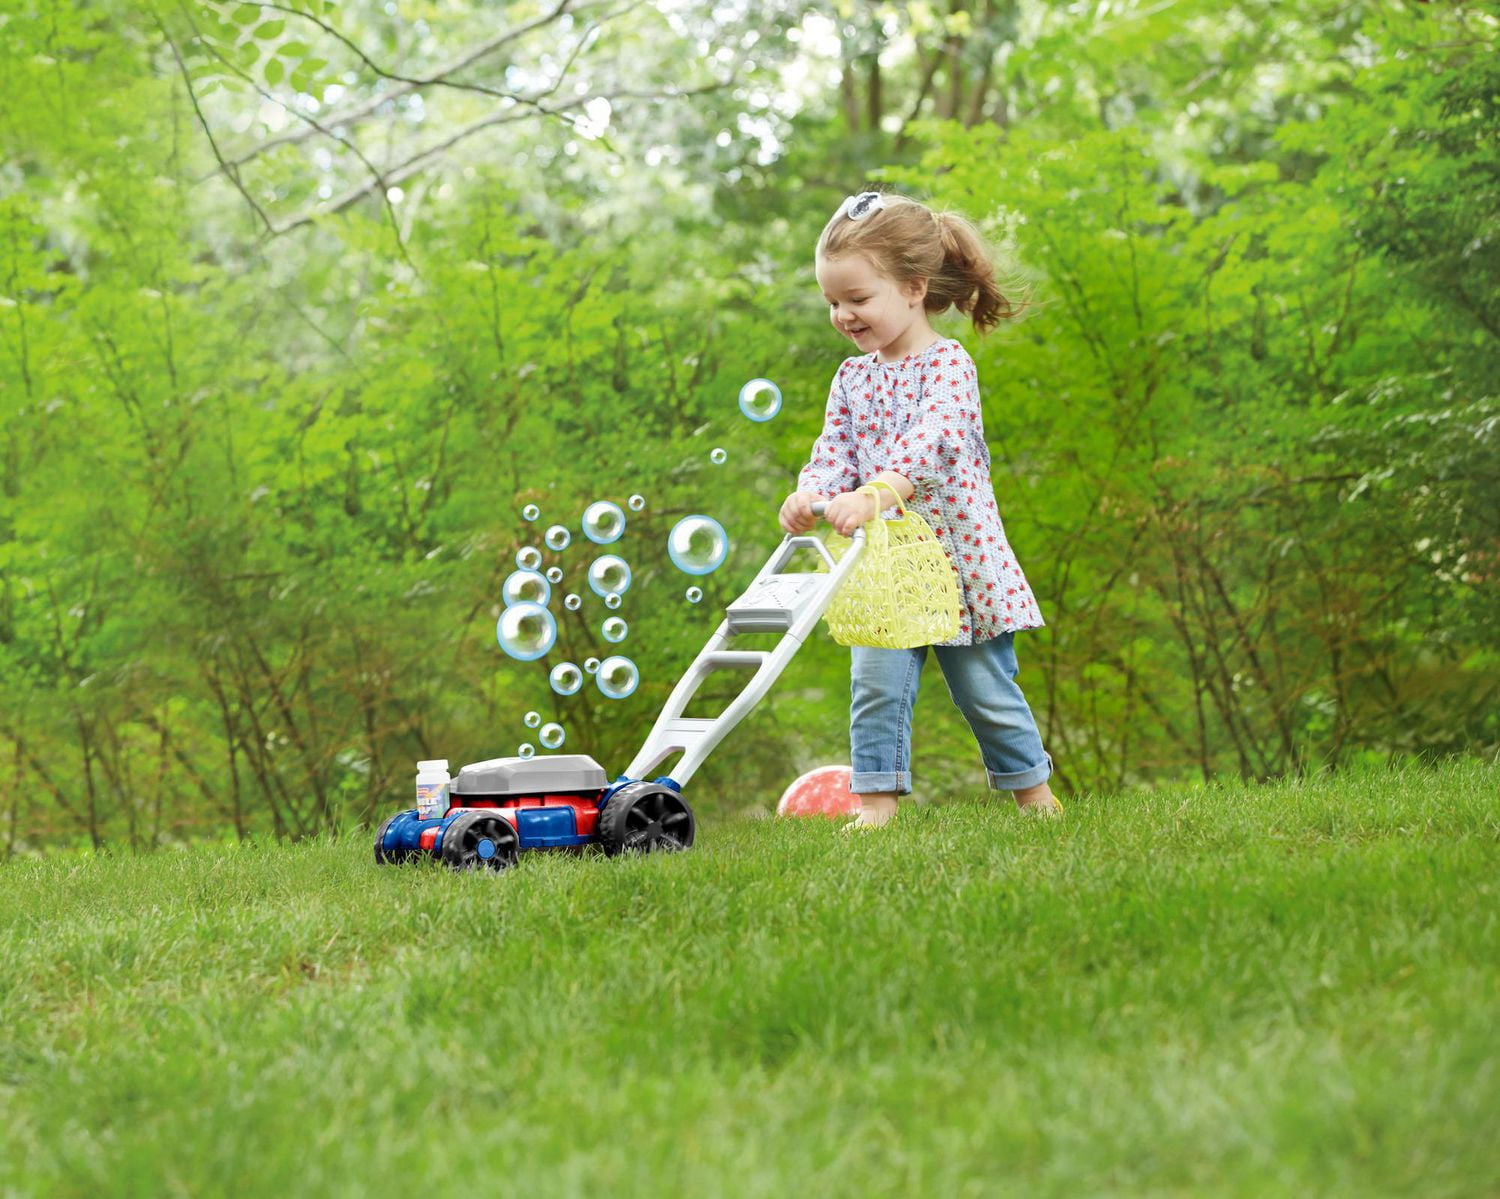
[525, 750]
[531, 512]
[529, 558]
[551, 736]
[614, 629]
[558, 537]
[694, 594]
[590, 665]
[565, 678]
[526, 631]
[554, 574]
[612, 600]
[760, 399]
[717, 456]
[532, 719]
[617, 677]
[697, 545]
[571, 602]
[637, 502]
[603, 522]
[609, 575]
[525, 586]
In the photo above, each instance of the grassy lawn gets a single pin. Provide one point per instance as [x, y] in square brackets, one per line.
[1285, 990]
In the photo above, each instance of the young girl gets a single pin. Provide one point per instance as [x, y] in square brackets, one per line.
[907, 411]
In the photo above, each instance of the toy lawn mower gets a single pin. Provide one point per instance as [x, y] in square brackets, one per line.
[503, 807]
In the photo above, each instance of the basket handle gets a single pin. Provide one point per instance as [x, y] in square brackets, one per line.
[876, 483]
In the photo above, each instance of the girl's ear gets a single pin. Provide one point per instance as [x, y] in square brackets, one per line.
[915, 290]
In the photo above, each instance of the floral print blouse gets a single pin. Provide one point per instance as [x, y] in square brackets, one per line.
[920, 417]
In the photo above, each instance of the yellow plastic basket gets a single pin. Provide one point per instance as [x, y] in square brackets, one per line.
[903, 591]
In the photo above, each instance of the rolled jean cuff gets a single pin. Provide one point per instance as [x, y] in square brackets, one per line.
[866, 783]
[1017, 781]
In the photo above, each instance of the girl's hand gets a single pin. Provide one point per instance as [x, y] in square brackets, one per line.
[796, 512]
[848, 511]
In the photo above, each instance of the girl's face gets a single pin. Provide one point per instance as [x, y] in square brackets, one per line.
[871, 309]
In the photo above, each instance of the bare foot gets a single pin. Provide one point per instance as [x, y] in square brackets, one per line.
[1038, 801]
[874, 811]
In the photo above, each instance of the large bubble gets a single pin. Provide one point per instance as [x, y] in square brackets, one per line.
[565, 678]
[591, 665]
[531, 512]
[571, 602]
[554, 574]
[551, 736]
[760, 399]
[525, 749]
[612, 601]
[697, 545]
[603, 522]
[532, 719]
[617, 677]
[529, 558]
[526, 631]
[609, 575]
[525, 587]
[557, 537]
[614, 629]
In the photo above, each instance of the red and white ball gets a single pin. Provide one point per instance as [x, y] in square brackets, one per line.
[821, 792]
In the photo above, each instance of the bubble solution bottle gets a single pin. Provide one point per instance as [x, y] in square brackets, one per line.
[432, 788]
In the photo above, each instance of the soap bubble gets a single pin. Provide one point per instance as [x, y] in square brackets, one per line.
[697, 545]
[565, 678]
[557, 537]
[614, 629]
[617, 677]
[637, 502]
[760, 399]
[526, 631]
[532, 719]
[694, 594]
[525, 750]
[717, 456]
[531, 512]
[529, 558]
[591, 664]
[612, 600]
[554, 574]
[603, 522]
[609, 575]
[571, 602]
[551, 736]
[525, 586]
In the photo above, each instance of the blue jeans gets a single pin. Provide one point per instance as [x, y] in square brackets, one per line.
[981, 681]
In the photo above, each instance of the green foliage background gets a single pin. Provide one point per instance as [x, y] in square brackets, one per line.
[263, 452]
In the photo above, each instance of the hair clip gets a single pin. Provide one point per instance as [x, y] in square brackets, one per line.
[856, 208]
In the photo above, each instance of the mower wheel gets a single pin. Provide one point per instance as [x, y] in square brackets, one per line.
[383, 855]
[480, 841]
[646, 818]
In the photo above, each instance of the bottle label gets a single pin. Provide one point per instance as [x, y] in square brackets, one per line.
[429, 799]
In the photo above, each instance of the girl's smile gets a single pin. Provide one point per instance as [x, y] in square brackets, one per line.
[873, 310]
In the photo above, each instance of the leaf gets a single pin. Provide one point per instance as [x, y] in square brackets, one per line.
[269, 29]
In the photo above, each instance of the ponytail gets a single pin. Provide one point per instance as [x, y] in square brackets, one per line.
[967, 277]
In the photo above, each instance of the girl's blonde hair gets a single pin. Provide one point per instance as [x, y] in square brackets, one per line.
[906, 240]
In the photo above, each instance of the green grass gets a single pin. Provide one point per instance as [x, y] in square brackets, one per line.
[1227, 990]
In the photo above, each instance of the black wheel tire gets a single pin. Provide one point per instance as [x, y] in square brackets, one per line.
[646, 818]
[463, 842]
[383, 856]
